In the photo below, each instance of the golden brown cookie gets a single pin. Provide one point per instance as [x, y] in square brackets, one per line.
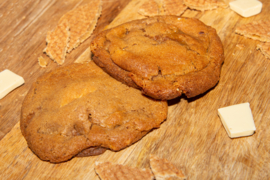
[164, 56]
[80, 110]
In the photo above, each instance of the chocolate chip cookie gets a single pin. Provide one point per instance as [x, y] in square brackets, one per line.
[79, 110]
[164, 56]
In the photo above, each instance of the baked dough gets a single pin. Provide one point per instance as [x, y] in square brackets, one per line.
[79, 110]
[164, 56]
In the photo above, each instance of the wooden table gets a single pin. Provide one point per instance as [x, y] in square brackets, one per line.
[192, 137]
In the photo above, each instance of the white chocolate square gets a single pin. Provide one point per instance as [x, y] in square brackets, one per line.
[237, 120]
[246, 8]
[8, 82]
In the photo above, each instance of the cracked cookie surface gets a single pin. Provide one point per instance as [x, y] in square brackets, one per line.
[164, 56]
[79, 110]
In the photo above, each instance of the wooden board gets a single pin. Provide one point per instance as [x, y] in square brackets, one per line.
[192, 137]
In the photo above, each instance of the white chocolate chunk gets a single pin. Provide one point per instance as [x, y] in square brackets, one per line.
[246, 8]
[237, 120]
[8, 82]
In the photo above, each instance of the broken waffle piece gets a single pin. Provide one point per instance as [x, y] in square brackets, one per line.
[57, 41]
[173, 7]
[162, 7]
[109, 171]
[149, 8]
[203, 5]
[42, 61]
[265, 49]
[78, 25]
[92, 13]
[73, 28]
[82, 22]
[257, 30]
[165, 170]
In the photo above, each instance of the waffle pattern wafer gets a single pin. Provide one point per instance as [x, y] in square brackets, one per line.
[265, 49]
[174, 7]
[165, 170]
[73, 28]
[57, 42]
[92, 13]
[109, 171]
[149, 8]
[78, 25]
[82, 22]
[162, 7]
[203, 5]
[258, 30]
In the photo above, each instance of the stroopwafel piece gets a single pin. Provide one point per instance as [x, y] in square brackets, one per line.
[257, 30]
[162, 7]
[265, 49]
[73, 28]
[173, 7]
[109, 171]
[203, 5]
[149, 8]
[57, 42]
[82, 22]
[165, 170]
[92, 13]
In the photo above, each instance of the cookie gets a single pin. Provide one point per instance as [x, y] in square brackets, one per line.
[79, 110]
[164, 56]
[109, 171]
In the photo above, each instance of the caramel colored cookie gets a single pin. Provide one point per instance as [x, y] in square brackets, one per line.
[164, 56]
[79, 110]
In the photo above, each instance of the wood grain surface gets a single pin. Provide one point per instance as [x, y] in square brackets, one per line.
[193, 137]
